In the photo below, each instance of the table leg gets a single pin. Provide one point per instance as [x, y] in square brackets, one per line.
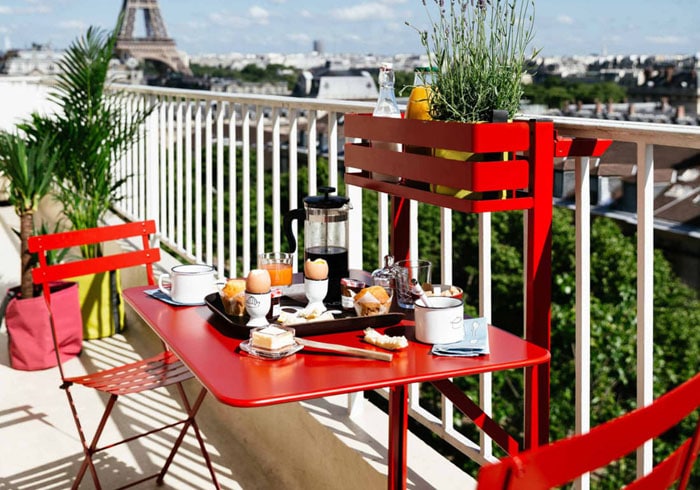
[398, 430]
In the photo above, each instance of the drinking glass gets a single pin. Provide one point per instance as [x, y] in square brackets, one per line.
[278, 265]
[404, 272]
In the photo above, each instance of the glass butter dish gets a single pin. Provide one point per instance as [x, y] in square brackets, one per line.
[271, 342]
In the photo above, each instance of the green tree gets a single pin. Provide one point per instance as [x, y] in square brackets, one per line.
[613, 322]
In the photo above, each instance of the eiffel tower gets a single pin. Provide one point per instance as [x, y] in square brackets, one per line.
[156, 46]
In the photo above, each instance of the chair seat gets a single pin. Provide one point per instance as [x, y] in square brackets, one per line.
[161, 370]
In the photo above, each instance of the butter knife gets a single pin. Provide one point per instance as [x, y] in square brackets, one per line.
[355, 351]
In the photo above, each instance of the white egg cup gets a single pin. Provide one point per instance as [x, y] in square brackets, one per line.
[257, 305]
[316, 291]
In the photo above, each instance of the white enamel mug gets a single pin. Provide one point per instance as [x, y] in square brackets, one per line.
[440, 323]
[188, 283]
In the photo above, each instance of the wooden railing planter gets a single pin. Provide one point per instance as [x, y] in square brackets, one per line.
[511, 175]
[526, 174]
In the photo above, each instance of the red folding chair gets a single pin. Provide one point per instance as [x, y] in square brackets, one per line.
[564, 460]
[162, 370]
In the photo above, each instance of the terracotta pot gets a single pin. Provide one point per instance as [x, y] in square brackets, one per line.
[29, 329]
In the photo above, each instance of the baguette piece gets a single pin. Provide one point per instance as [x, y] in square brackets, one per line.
[384, 341]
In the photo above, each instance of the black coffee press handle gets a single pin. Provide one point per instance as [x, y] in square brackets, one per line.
[299, 214]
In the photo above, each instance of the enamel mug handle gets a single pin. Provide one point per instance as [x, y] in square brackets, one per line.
[165, 284]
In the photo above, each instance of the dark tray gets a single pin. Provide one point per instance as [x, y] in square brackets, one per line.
[344, 322]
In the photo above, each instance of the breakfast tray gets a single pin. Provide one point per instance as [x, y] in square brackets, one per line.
[344, 321]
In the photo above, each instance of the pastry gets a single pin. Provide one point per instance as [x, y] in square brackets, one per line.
[233, 297]
[373, 300]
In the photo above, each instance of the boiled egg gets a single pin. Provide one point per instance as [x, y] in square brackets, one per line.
[258, 281]
[316, 269]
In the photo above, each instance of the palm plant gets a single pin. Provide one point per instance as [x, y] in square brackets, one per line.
[92, 130]
[29, 168]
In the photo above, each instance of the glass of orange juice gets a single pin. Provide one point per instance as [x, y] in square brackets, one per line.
[278, 265]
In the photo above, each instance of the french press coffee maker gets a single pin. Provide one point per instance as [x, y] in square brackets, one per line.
[326, 230]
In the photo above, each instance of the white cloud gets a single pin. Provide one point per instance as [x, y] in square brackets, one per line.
[226, 19]
[300, 38]
[5, 10]
[305, 14]
[364, 11]
[565, 19]
[259, 14]
[666, 39]
[74, 24]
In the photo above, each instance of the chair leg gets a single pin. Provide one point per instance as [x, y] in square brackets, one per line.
[190, 420]
[88, 451]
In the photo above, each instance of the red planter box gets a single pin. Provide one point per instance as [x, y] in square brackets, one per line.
[510, 140]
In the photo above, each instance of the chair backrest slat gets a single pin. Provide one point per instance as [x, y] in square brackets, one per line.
[41, 244]
[562, 461]
[45, 274]
[96, 265]
[76, 238]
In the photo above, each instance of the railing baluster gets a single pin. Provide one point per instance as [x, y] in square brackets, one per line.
[333, 149]
[485, 310]
[170, 149]
[163, 157]
[293, 171]
[188, 176]
[246, 189]
[233, 193]
[179, 172]
[276, 184]
[220, 235]
[645, 291]
[197, 215]
[259, 179]
[311, 155]
[583, 302]
[209, 183]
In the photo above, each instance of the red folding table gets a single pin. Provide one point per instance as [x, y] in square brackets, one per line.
[201, 341]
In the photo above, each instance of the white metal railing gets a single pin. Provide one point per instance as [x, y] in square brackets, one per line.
[179, 165]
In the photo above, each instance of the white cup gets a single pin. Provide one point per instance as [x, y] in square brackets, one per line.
[440, 323]
[188, 283]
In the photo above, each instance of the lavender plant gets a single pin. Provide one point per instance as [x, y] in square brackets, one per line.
[480, 50]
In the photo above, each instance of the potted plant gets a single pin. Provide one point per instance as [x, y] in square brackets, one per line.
[29, 169]
[92, 130]
[479, 50]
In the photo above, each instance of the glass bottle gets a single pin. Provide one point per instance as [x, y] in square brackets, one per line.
[418, 105]
[384, 276]
[386, 107]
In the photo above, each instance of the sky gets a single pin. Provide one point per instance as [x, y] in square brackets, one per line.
[562, 27]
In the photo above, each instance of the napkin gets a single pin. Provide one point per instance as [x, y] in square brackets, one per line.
[474, 343]
[158, 294]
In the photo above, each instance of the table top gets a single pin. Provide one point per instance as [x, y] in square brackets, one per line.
[209, 348]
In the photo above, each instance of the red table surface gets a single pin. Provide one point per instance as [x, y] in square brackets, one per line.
[213, 354]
